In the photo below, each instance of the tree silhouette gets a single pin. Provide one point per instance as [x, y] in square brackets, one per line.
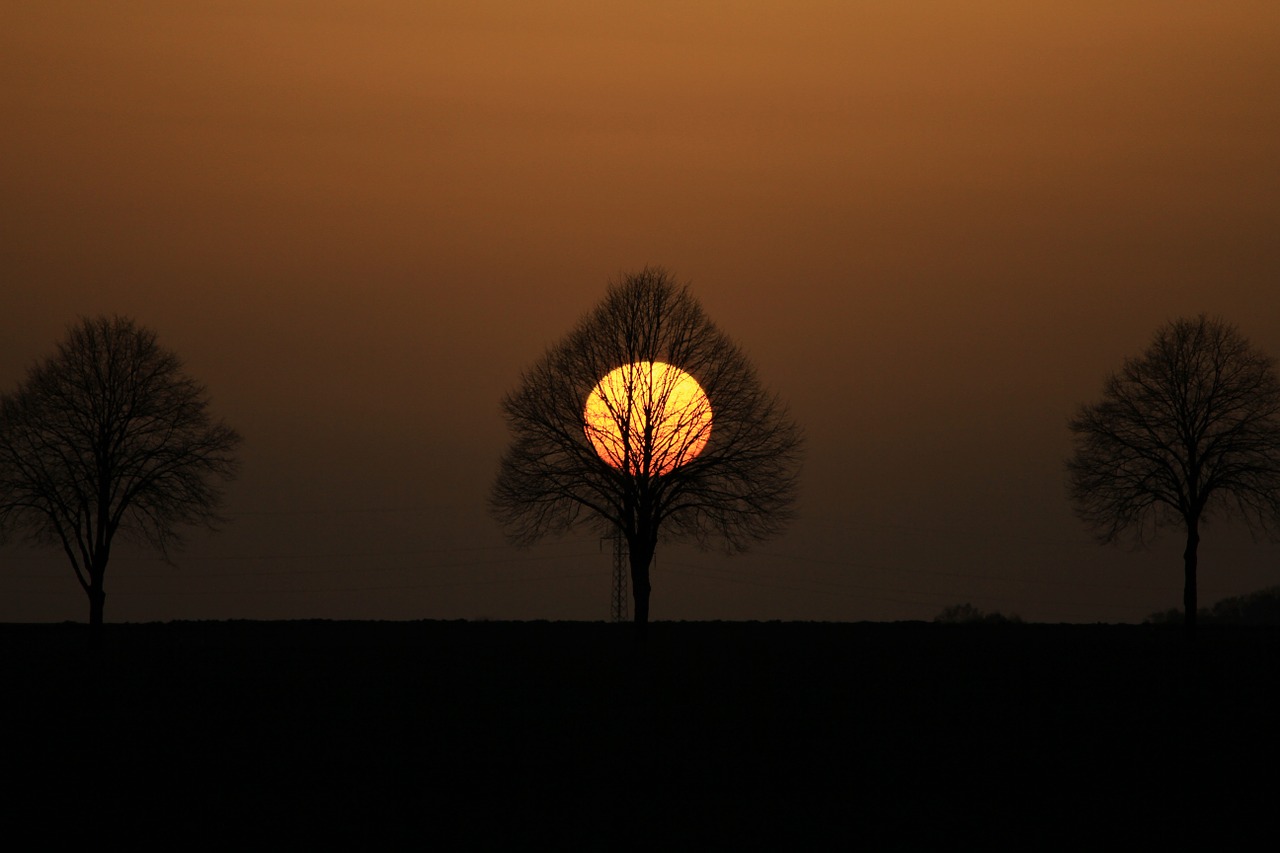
[605, 435]
[1189, 428]
[109, 436]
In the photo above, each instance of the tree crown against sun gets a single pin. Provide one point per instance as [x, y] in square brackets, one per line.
[646, 415]
[647, 418]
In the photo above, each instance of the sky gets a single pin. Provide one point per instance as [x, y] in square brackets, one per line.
[934, 227]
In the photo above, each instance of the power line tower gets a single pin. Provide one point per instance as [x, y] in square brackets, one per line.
[619, 610]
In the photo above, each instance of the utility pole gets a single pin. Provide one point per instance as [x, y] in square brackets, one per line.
[619, 610]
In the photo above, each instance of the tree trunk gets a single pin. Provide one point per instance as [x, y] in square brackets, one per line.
[97, 598]
[1189, 606]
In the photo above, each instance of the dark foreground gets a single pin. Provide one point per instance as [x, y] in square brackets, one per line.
[515, 735]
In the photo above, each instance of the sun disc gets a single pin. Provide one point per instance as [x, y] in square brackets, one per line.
[647, 418]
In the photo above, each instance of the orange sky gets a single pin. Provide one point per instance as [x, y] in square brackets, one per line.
[934, 229]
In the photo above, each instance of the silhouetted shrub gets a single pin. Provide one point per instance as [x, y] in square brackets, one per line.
[958, 614]
[1255, 608]
[1172, 616]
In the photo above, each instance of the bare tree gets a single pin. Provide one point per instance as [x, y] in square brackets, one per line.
[605, 435]
[1189, 428]
[109, 436]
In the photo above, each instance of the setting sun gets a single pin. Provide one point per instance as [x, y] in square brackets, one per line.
[648, 418]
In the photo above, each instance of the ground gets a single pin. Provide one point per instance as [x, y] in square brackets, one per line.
[494, 734]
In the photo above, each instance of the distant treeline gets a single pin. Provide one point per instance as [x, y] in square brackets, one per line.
[1255, 608]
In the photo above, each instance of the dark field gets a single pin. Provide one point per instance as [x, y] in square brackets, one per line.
[502, 735]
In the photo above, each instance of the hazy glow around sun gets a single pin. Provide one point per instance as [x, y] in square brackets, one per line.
[647, 418]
